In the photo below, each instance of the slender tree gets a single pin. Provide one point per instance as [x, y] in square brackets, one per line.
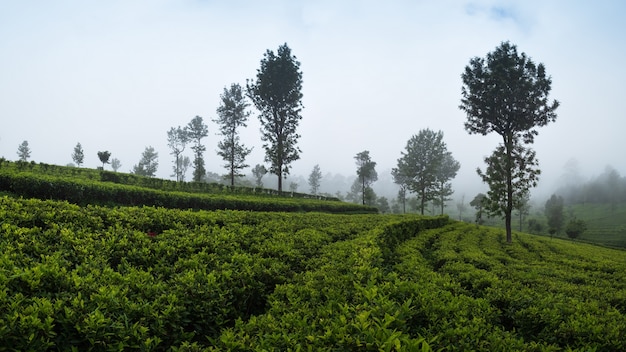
[232, 115]
[314, 179]
[366, 174]
[148, 164]
[104, 157]
[23, 151]
[507, 93]
[183, 166]
[177, 139]
[78, 155]
[196, 130]
[277, 94]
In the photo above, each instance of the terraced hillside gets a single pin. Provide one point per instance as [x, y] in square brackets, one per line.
[156, 279]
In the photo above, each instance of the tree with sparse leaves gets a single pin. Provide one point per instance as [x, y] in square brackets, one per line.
[507, 93]
[177, 139]
[366, 175]
[314, 179]
[23, 151]
[104, 157]
[79, 155]
[232, 115]
[277, 94]
[196, 130]
[478, 203]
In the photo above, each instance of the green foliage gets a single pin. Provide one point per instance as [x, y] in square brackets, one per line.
[84, 186]
[146, 278]
[277, 94]
[314, 179]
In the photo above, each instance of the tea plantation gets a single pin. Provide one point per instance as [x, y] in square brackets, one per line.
[110, 277]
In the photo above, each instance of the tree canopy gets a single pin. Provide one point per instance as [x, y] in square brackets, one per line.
[422, 167]
[148, 164]
[196, 130]
[78, 156]
[507, 93]
[277, 94]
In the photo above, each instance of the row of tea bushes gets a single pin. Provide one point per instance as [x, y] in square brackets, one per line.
[83, 191]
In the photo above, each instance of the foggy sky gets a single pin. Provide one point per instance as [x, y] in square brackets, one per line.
[116, 75]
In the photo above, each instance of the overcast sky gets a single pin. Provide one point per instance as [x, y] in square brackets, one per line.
[116, 75]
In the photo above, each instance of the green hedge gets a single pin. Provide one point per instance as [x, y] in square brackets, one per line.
[82, 191]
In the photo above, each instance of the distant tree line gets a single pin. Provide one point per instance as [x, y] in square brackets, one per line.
[609, 187]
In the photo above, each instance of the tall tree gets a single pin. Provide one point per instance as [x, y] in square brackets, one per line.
[277, 94]
[507, 93]
[554, 213]
[366, 174]
[78, 155]
[177, 139]
[258, 172]
[314, 179]
[104, 157]
[148, 164]
[232, 114]
[446, 172]
[183, 166]
[196, 130]
[421, 164]
[23, 151]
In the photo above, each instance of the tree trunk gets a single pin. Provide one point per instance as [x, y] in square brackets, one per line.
[509, 187]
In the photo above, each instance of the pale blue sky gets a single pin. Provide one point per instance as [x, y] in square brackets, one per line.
[116, 75]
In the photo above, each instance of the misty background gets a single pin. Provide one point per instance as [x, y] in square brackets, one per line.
[117, 75]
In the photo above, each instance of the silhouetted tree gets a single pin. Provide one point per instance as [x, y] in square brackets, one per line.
[507, 93]
[104, 157]
[196, 130]
[78, 156]
[23, 151]
[277, 94]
